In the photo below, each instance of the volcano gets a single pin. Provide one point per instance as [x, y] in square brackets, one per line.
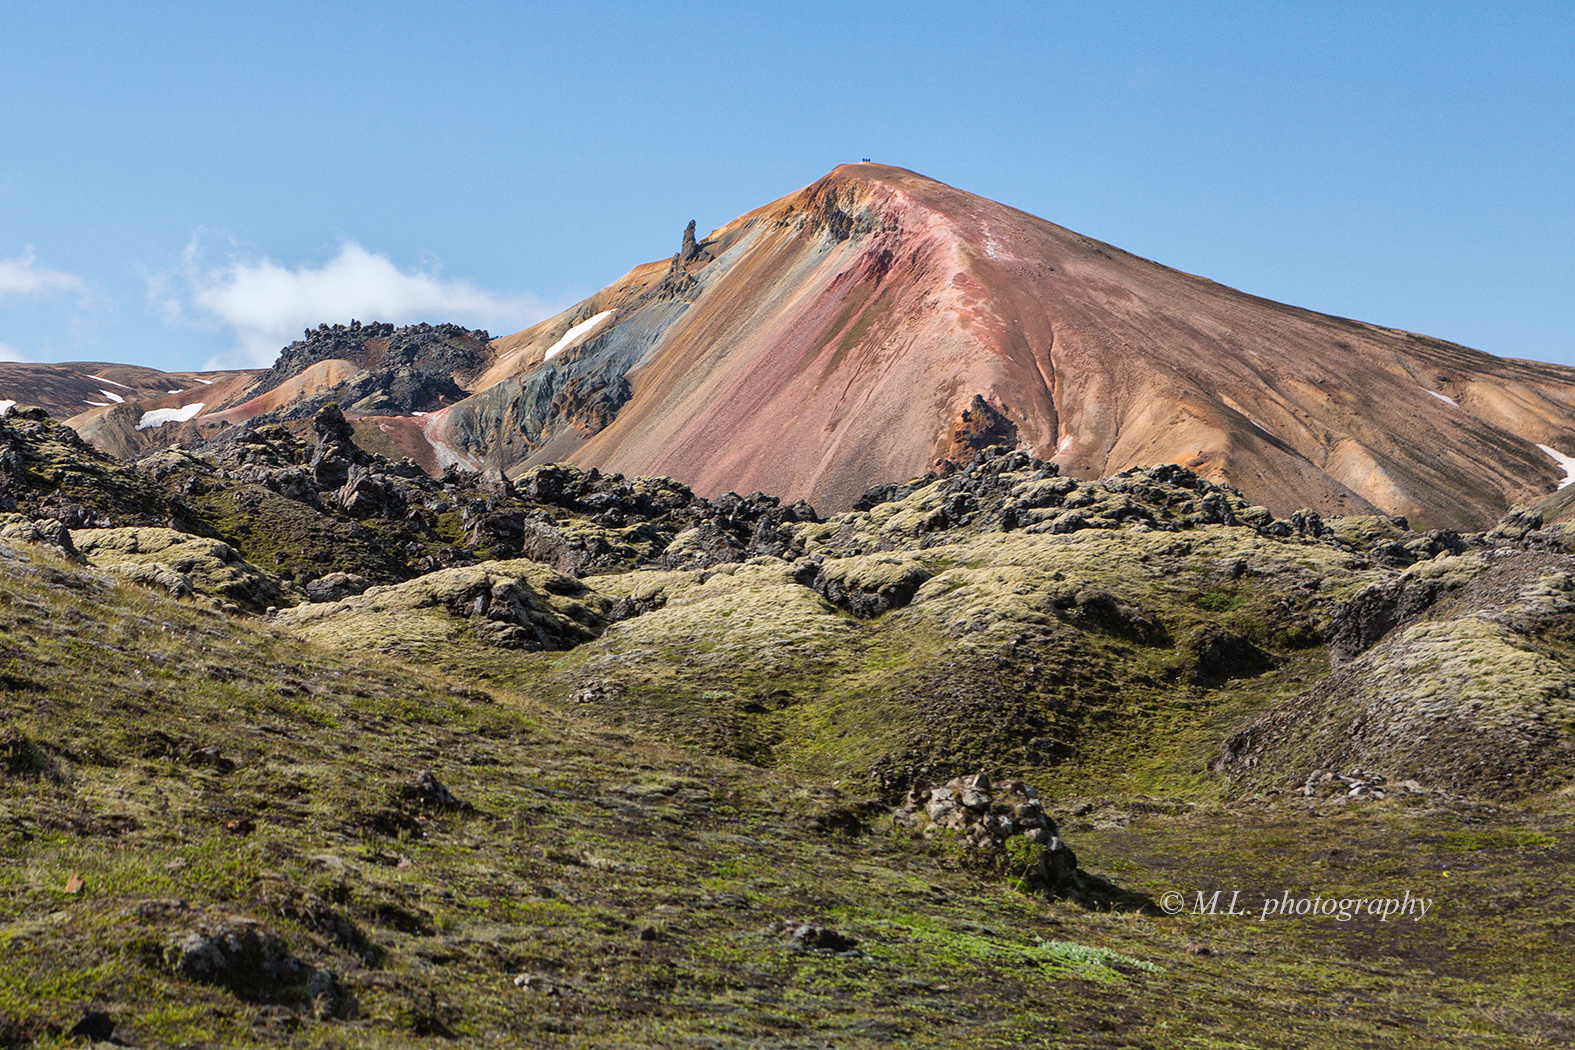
[878, 325]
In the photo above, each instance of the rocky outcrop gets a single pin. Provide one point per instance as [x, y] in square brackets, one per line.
[1361, 622]
[1005, 489]
[48, 472]
[48, 532]
[416, 368]
[183, 565]
[691, 251]
[976, 427]
[508, 604]
[866, 586]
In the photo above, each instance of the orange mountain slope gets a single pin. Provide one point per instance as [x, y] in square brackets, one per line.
[878, 324]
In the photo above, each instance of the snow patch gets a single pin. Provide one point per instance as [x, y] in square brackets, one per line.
[1259, 425]
[1066, 443]
[576, 335]
[1444, 397]
[446, 455]
[113, 396]
[1567, 462]
[97, 404]
[111, 382]
[204, 382]
[159, 416]
[6, 407]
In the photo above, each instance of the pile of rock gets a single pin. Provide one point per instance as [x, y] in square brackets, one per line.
[1357, 784]
[1004, 826]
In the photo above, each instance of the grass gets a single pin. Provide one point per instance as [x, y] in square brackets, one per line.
[1499, 839]
[654, 884]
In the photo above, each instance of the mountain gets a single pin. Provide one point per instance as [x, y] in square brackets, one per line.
[63, 389]
[880, 325]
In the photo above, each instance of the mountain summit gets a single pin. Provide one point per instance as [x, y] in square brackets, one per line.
[880, 324]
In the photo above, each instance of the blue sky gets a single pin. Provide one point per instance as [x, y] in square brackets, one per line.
[190, 184]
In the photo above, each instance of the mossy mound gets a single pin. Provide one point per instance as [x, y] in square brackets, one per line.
[182, 564]
[1025, 651]
[1473, 692]
[517, 604]
[952, 632]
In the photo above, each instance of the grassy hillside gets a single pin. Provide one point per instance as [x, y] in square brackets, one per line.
[581, 761]
[170, 770]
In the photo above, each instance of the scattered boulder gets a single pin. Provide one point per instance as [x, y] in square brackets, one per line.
[428, 792]
[807, 937]
[535, 982]
[256, 965]
[1352, 786]
[336, 585]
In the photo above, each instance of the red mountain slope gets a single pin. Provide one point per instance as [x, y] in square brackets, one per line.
[877, 324]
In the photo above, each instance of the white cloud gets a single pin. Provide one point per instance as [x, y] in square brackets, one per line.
[265, 305]
[11, 353]
[23, 276]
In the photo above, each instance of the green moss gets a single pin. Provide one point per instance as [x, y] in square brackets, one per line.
[1219, 600]
[1023, 860]
[1499, 839]
[1089, 961]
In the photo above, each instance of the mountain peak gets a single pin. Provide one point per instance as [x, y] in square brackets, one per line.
[876, 323]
